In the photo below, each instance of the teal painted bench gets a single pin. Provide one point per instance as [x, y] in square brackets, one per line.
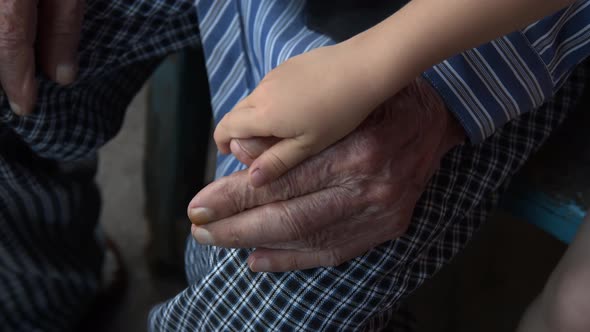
[558, 217]
[179, 123]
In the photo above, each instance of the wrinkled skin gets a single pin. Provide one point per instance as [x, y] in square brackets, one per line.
[37, 31]
[341, 203]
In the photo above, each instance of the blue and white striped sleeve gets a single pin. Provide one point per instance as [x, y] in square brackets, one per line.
[496, 82]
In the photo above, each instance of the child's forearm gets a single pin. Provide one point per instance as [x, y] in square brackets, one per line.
[425, 32]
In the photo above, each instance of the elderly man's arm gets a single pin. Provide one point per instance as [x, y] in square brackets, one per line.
[497, 82]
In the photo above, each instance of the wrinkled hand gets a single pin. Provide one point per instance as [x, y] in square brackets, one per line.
[341, 203]
[53, 28]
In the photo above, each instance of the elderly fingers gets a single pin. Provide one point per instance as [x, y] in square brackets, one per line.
[341, 243]
[233, 194]
[286, 221]
[60, 26]
[18, 20]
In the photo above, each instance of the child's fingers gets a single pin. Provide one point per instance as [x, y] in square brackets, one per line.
[240, 123]
[277, 160]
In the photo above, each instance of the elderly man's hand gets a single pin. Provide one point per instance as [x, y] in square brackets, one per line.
[336, 206]
[49, 29]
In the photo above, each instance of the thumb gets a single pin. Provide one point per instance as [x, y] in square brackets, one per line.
[248, 149]
[279, 159]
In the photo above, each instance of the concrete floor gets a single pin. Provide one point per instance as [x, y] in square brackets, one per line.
[484, 290]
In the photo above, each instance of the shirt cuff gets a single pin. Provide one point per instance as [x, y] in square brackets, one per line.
[490, 85]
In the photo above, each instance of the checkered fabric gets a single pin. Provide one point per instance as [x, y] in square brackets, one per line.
[243, 40]
[49, 258]
[49, 255]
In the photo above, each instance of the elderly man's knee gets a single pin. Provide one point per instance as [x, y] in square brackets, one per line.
[569, 302]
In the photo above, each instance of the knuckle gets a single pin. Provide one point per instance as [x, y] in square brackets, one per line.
[65, 17]
[261, 230]
[294, 263]
[318, 241]
[364, 155]
[331, 258]
[222, 130]
[262, 91]
[15, 31]
[384, 195]
[262, 99]
[369, 143]
[229, 125]
[340, 207]
[293, 183]
[293, 227]
[220, 133]
[387, 195]
[72, 8]
[395, 219]
[226, 188]
[280, 189]
[12, 51]
[227, 119]
[347, 200]
[68, 10]
[234, 235]
[11, 36]
[371, 153]
[276, 162]
[342, 199]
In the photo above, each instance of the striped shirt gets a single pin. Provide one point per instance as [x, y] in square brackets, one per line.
[495, 83]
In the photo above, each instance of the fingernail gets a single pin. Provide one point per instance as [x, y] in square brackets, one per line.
[201, 235]
[16, 109]
[260, 265]
[65, 74]
[251, 263]
[200, 216]
[257, 178]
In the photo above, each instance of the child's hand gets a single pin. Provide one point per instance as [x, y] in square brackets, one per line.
[311, 101]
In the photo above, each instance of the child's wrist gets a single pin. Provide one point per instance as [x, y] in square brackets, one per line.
[370, 70]
[387, 64]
